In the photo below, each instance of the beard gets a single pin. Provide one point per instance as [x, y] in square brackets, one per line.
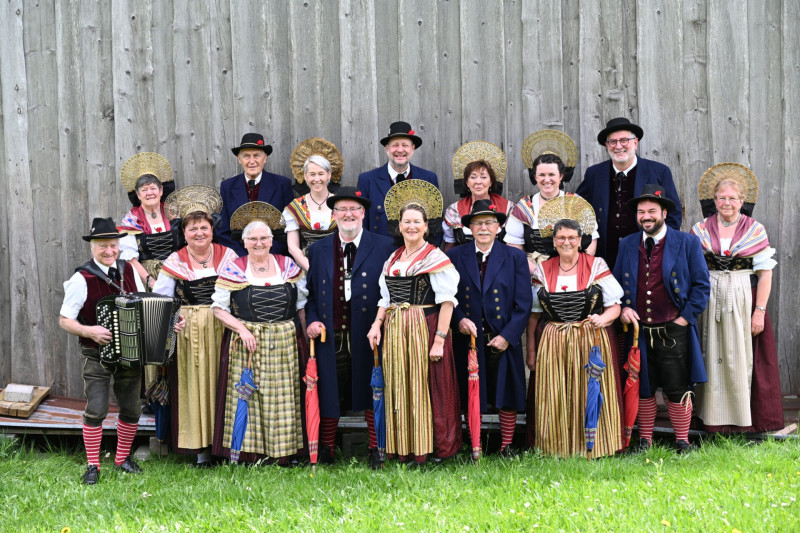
[657, 225]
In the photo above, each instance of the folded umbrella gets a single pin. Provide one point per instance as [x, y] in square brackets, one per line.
[630, 395]
[245, 388]
[377, 383]
[312, 403]
[474, 399]
[157, 394]
[594, 398]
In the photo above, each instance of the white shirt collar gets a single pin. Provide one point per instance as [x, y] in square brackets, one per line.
[627, 170]
[355, 241]
[393, 173]
[486, 253]
[658, 236]
[102, 266]
[246, 179]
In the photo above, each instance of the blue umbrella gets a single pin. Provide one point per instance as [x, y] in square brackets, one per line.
[157, 395]
[246, 387]
[594, 399]
[378, 384]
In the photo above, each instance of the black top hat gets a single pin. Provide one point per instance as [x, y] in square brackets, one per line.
[617, 124]
[348, 193]
[653, 192]
[103, 228]
[254, 141]
[483, 207]
[402, 129]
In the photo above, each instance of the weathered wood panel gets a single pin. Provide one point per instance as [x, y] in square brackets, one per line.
[25, 309]
[88, 84]
[786, 298]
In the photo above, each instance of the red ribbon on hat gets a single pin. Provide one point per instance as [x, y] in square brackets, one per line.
[260, 142]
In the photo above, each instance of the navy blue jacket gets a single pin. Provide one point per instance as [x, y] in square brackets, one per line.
[686, 276]
[505, 300]
[372, 253]
[276, 190]
[374, 185]
[595, 189]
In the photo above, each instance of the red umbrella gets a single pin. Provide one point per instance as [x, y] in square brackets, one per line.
[631, 393]
[474, 399]
[312, 404]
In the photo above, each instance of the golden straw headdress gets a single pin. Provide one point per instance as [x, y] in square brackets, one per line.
[549, 142]
[413, 191]
[257, 211]
[316, 146]
[732, 171]
[193, 198]
[569, 206]
[145, 163]
[476, 151]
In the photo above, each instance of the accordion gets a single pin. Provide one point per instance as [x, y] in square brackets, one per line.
[142, 328]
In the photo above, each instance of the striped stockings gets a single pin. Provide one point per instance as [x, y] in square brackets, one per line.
[125, 434]
[681, 416]
[327, 432]
[508, 422]
[91, 441]
[646, 418]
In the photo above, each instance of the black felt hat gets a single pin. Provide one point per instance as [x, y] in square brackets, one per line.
[401, 129]
[617, 124]
[103, 228]
[483, 207]
[348, 193]
[252, 141]
[654, 193]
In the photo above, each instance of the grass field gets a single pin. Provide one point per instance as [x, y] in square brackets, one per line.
[727, 485]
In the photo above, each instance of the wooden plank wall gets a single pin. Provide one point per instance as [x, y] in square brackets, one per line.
[87, 84]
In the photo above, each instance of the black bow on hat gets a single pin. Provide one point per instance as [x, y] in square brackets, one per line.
[252, 141]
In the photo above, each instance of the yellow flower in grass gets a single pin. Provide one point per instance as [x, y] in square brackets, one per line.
[66, 530]
[734, 530]
[665, 523]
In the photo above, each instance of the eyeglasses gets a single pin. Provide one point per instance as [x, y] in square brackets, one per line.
[484, 224]
[571, 240]
[622, 142]
[348, 209]
[731, 200]
[258, 239]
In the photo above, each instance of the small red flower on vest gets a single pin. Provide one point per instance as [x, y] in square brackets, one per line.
[316, 225]
[727, 252]
[267, 284]
[396, 272]
[564, 288]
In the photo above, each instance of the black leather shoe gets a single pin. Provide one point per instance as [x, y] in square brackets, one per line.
[509, 453]
[324, 456]
[129, 467]
[375, 462]
[642, 447]
[684, 447]
[91, 475]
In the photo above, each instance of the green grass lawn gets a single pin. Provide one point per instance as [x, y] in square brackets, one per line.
[727, 485]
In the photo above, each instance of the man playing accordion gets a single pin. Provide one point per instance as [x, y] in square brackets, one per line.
[102, 276]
